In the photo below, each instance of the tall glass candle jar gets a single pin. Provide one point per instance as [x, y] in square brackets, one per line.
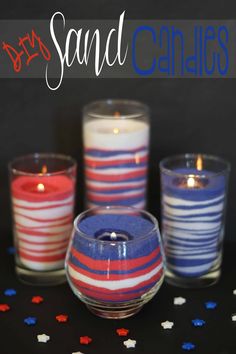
[42, 194]
[193, 208]
[116, 146]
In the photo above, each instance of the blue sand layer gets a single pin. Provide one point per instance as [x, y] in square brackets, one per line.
[135, 226]
[192, 232]
[213, 187]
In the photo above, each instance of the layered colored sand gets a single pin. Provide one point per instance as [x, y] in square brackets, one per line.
[116, 159]
[42, 220]
[193, 224]
[114, 270]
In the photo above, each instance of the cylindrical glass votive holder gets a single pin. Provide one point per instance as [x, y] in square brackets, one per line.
[114, 262]
[42, 195]
[193, 208]
[116, 145]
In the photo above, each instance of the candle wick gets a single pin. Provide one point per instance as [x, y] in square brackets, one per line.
[117, 114]
[40, 187]
[113, 236]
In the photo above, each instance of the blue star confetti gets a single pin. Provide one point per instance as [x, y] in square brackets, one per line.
[188, 346]
[11, 250]
[197, 322]
[10, 292]
[210, 305]
[30, 321]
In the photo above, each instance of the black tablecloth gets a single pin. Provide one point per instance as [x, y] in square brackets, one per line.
[218, 336]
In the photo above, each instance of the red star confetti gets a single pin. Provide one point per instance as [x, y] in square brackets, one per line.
[122, 332]
[37, 299]
[4, 307]
[85, 340]
[62, 318]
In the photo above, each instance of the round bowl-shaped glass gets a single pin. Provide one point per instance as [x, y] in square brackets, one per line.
[114, 262]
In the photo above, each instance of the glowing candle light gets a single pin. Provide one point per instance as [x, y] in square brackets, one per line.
[42, 205]
[41, 187]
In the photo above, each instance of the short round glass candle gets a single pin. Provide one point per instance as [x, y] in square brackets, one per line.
[42, 193]
[116, 145]
[114, 263]
[193, 209]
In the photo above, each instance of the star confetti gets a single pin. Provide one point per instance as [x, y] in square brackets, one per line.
[234, 317]
[130, 343]
[210, 305]
[122, 332]
[30, 321]
[62, 318]
[10, 292]
[43, 338]
[167, 324]
[234, 291]
[197, 322]
[37, 299]
[188, 346]
[85, 340]
[4, 307]
[11, 250]
[179, 300]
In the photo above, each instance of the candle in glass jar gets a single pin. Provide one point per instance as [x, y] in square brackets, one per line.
[116, 160]
[43, 214]
[193, 207]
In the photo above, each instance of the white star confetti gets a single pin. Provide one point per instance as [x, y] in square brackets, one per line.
[179, 300]
[234, 291]
[130, 343]
[234, 317]
[167, 324]
[43, 338]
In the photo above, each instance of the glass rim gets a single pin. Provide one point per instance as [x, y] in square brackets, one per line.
[119, 207]
[206, 157]
[21, 172]
[144, 109]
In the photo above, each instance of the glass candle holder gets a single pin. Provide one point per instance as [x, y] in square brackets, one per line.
[42, 195]
[116, 146]
[114, 262]
[193, 208]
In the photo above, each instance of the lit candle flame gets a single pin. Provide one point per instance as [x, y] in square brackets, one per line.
[44, 170]
[191, 181]
[199, 163]
[116, 114]
[116, 130]
[40, 187]
[113, 236]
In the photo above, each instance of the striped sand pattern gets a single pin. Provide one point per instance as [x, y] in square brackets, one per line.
[192, 231]
[114, 271]
[42, 229]
[114, 280]
[116, 164]
[116, 177]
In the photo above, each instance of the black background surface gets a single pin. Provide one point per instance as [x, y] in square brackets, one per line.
[188, 115]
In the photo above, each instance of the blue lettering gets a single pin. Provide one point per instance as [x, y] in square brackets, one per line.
[138, 70]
